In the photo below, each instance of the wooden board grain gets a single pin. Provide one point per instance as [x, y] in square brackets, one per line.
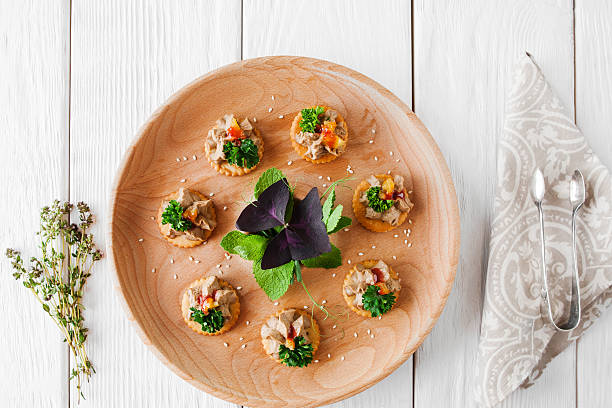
[464, 52]
[127, 58]
[593, 107]
[150, 171]
[34, 65]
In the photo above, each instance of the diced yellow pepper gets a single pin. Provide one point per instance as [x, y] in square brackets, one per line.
[388, 186]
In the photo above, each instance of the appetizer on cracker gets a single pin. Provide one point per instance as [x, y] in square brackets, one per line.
[381, 202]
[371, 288]
[291, 337]
[233, 148]
[186, 218]
[210, 306]
[319, 134]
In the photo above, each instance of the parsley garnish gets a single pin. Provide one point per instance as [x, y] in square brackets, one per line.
[310, 118]
[242, 153]
[173, 215]
[376, 203]
[211, 322]
[376, 303]
[300, 356]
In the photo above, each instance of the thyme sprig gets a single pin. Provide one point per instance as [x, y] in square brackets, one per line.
[57, 277]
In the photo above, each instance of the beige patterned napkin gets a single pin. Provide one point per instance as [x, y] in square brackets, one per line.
[517, 340]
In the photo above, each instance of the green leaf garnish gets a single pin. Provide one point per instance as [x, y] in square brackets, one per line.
[343, 222]
[334, 218]
[328, 205]
[173, 215]
[274, 281]
[310, 118]
[328, 260]
[211, 322]
[267, 178]
[246, 246]
[241, 152]
[300, 356]
[376, 203]
[376, 303]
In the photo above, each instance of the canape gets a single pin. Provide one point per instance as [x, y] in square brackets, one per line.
[291, 337]
[210, 306]
[233, 148]
[319, 134]
[381, 202]
[186, 218]
[371, 288]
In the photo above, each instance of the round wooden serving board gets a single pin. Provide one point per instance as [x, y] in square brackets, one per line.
[150, 171]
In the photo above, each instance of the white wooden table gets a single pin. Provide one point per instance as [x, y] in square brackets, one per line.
[78, 78]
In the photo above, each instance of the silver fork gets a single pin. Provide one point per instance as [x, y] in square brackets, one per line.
[576, 198]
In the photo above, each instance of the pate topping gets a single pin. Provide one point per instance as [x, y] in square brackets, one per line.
[363, 277]
[283, 329]
[196, 210]
[227, 130]
[391, 191]
[329, 136]
[211, 294]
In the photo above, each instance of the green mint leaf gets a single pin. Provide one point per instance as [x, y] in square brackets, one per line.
[211, 322]
[173, 215]
[328, 205]
[343, 222]
[310, 119]
[334, 218]
[300, 356]
[376, 203]
[376, 303]
[247, 246]
[275, 281]
[328, 260]
[241, 153]
[267, 178]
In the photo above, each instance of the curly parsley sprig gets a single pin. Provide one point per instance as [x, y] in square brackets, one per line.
[375, 202]
[376, 303]
[300, 356]
[241, 153]
[310, 118]
[211, 322]
[57, 277]
[173, 215]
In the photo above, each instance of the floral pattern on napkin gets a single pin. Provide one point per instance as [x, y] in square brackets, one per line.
[517, 340]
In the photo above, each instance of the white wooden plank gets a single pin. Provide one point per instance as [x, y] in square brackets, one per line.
[463, 54]
[593, 107]
[127, 58]
[34, 38]
[370, 37]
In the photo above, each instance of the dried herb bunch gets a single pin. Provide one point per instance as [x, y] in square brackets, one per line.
[57, 278]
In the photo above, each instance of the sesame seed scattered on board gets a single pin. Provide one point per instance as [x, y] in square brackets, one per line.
[184, 158]
[394, 257]
[409, 191]
[360, 254]
[225, 208]
[373, 130]
[275, 303]
[153, 218]
[355, 334]
[324, 185]
[183, 180]
[290, 162]
[409, 221]
[175, 276]
[247, 322]
[226, 345]
[333, 275]
[371, 141]
[191, 258]
[375, 158]
[178, 159]
[269, 109]
[334, 326]
[218, 266]
[242, 338]
[395, 235]
[211, 194]
[305, 307]
[397, 160]
[373, 246]
[238, 287]
[153, 270]
[281, 116]
[388, 171]
[171, 260]
[328, 178]
[328, 355]
[197, 261]
[346, 230]
[316, 361]
[409, 245]
[379, 317]
[194, 157]
[324, 302]
[371, 336]
[140, 239]
[348, 262]
[243, 346]
[320, 177]
[254, 119]
[369, 331]
[405, 241]
[390, 153]
[272, 97]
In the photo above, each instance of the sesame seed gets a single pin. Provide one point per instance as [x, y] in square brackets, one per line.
[191, 258]
[153, 270]
[409, 221]
[397, 160]
[375, 158]
[211, 194]
[269, 109]
[405, 231]
[183, 180]
[371, 141]
[247, 322]
[242, 338]
[320, 177]
[373, 246]
[218, 266]
[405, 241]
[351, 171]
[316, 361]
[281, 116]
[408, 231]
[369, 331]
[227, 265]
[305, 307]
[175, 276]
[153, 218]
[254, 119]
[348, 262]
[324, 185]
[171, 260]
[394, 257]
[205, 242]
[194, 157]
[379, 317]
[243, 346]
[275, 303]
[197, 261]
[328, 355]
[346, 230]
[323, 302]
[328, 178]
[409, 245]
[390, 153]
[272, 97]
[355, 334]
[333, 275]
[360, 254]
[225, 208]
[371, 336]
[342, 358]
[184, 158]
[334, 326]
[140, 239]
[290, 162]
[409, 191]
[178, 159]
[238, 287]
[388, 171]
[226, 345]
[373, 130]
[395, 235]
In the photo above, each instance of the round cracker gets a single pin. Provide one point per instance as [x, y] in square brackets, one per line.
[182, 241]
[301, 150]
[350, 298]
[313, 332]
[196, 327]
[360, 209]
[231, 169]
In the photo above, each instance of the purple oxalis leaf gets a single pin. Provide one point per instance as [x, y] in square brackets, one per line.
[268, 211]
[277, 252]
